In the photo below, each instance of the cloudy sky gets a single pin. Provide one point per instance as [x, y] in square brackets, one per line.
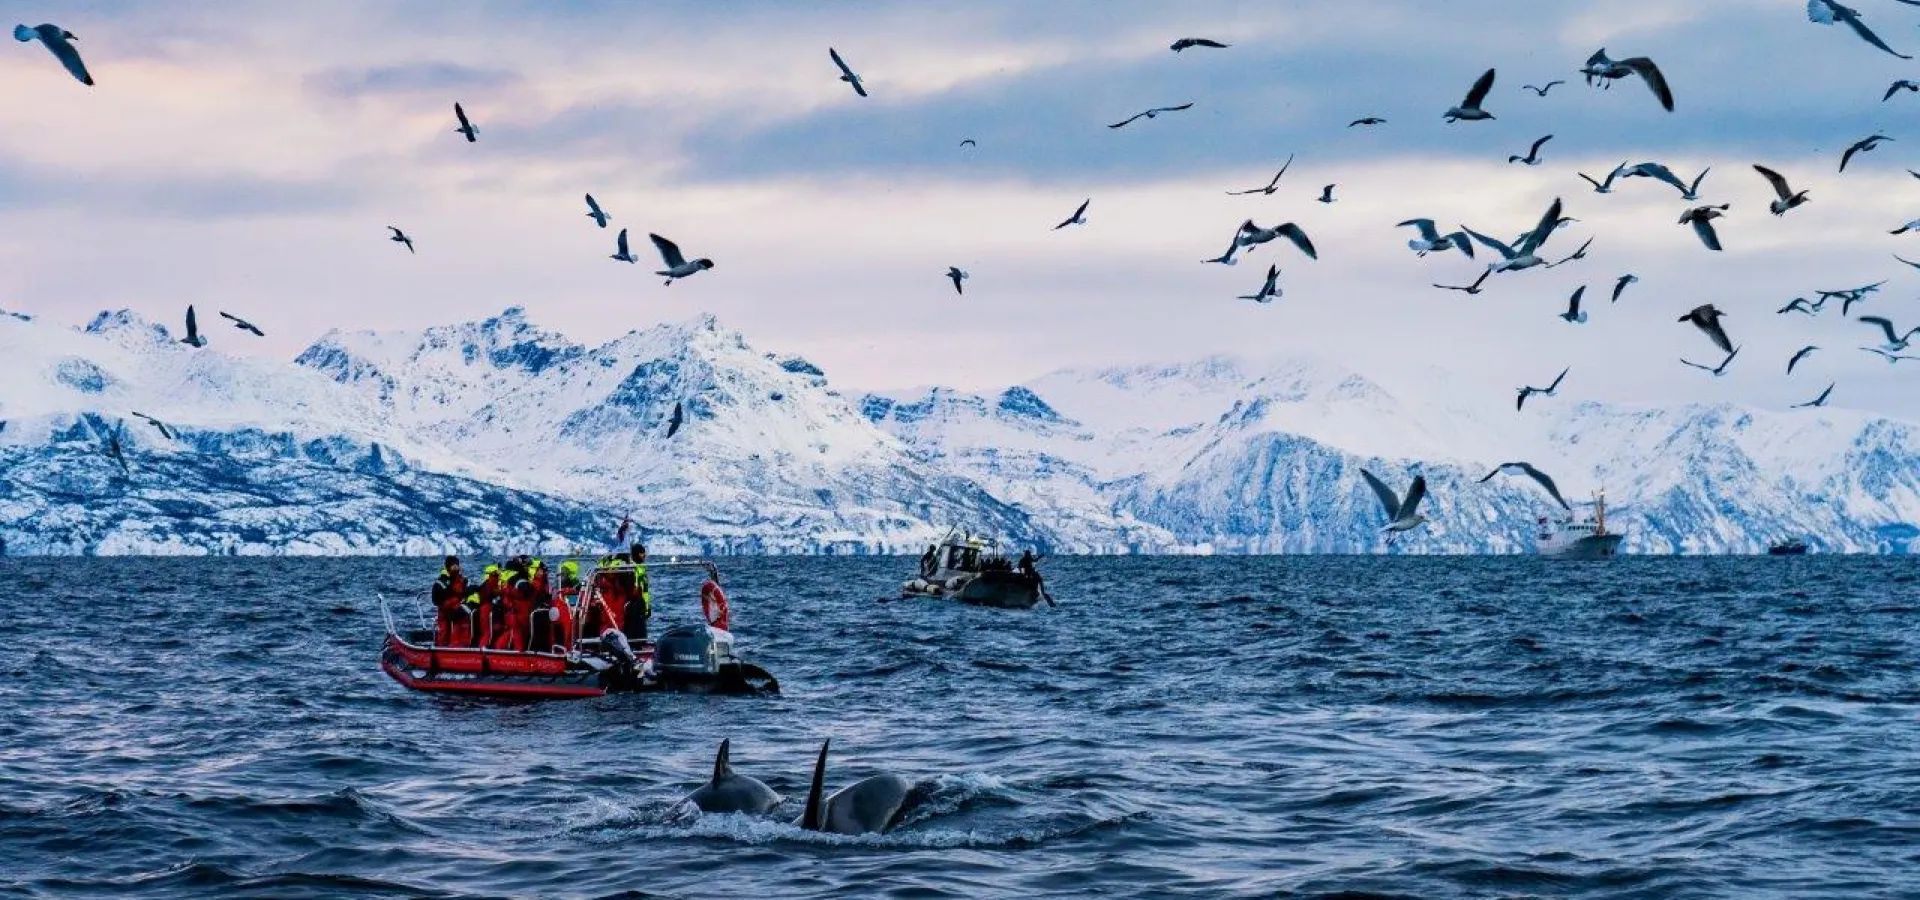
[249, 156]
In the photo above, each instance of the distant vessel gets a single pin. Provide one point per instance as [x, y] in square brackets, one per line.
[1794, 547]
[971, 570]
[1579, 539]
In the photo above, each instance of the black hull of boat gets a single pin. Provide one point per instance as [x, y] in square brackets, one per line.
[1001, 590]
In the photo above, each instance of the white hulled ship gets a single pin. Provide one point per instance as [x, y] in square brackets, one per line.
[1579, 538]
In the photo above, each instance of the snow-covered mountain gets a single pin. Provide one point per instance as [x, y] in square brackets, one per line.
[484, 434]
[496, 434]
[1226, 455]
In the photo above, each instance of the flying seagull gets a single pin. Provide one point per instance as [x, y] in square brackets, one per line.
[194, 338]
[674, 421]
[115, 452]
[594, 212]
[165, 432]
[1401, 515]
[1152, 113]
[969, 142]
[1271, 185]
[1909, 226]
[1184, 43]
[1907, 261]
[1538, 476]
[621, 252]
[242, 324]
[1826, 12]
[1850, 296]
[1898, 86]
[1861, 146]
[1797, 357]
[1575, 255]
[1269, 291]
[1605, 70]
[1079, 216]
[1574, 315]
[1891, 358]
[678, 266]
[1665, 175]
[1621, 285]
[1252, 235]
[400, 237]
[1431, 240]
[467, 128]
[1788, 197]
[1896, 342]
[1533, 154]
[1542, 90]
[1369, 120]
[60, 41]
[1800, 305]
[1701, 218]
[1524, 252]
[1817, 401]
[1469, 109]
[1548, 391]
[956, 276]
[846, 74]
[1605, 187]
[1707, 318]
[1718, 370]
[1326, 194]
[1473, 288]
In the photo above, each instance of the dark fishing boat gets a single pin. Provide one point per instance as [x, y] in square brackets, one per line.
[689, 657]
[1794, 547]
[971, 569]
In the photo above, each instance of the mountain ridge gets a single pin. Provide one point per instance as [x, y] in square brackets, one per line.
[497, 432]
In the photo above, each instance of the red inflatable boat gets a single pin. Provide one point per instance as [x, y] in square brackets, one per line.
[693, 657]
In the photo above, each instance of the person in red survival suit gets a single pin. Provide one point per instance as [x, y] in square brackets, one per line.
[550, 619]
[516, 596]
[453, 623]
[566, 602]
[490, 613]
[612, 588]
[596, 611]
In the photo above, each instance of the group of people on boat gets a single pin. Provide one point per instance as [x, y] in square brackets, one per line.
[514, 606]
[968, 559]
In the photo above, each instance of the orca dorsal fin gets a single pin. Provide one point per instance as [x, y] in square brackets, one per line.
[721, 768]
[814, 818]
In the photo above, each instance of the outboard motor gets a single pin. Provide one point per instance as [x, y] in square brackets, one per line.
[685, 650]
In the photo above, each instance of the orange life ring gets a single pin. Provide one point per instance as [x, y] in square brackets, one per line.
[713, 605]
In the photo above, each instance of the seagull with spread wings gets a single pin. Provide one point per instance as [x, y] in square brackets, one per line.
[242, 324]
[1538, 476]
[1151, 113]
[1604, 70]
[1271, 185]
[1550, 390]
[1402, 515]
[1469, 109]
[847, 74]
[678, 266]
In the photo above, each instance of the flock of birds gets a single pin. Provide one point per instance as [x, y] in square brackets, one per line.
[60, 42]
[1524, 251]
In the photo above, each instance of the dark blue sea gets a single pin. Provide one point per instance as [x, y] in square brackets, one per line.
[1177, 727]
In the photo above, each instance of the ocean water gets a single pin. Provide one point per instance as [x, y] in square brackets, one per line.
[1177, 727]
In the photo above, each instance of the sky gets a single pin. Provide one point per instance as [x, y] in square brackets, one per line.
[248, 157]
